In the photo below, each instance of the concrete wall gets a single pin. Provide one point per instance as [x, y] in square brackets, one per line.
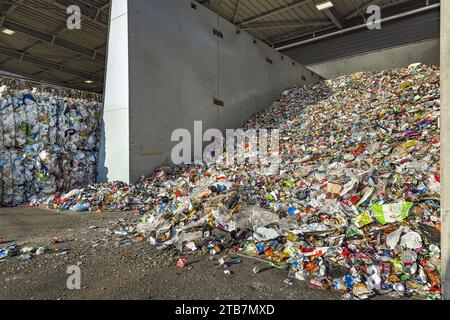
[426, 52]
[176, 67]
[445, 148]
[114, 148]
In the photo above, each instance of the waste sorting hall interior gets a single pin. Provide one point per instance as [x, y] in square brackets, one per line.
[169, 63]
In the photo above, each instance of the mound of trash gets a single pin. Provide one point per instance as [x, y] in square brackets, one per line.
[354, 208]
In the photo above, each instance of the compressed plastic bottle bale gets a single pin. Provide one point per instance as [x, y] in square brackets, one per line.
[92, 142]
[74, 169]
[1, 125]
[27, 174]
[33, 149]
[8, 121]
[22, 129]
[92, 158]
[84, 125]
[65, 178]
[31, 111]
[43, 122]
[48, 142]
[3, 179]
[79, 125]
[69, 126]
[30, 164]
[46, 186]
[80, 169]
[49, 161]
[3, 104]
[91, 116]
[10, 188]
[83, 170]
[53, 109]
[19, 177]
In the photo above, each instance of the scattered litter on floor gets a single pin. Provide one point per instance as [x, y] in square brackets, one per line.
[354, 208]
[28, 252]
[181, 263]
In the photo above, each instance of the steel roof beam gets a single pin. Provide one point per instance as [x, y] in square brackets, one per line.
[95, 15]
[320, 32]
[80, 80]
[30, 77]
[296, 35]
[287, 24]
[358, 10]
[361, 26]
[276, 11]
[236, 12]
[13, 53]
[335, 17]
[362, 8]
[12, 8]
[54, 40]
[77, 78]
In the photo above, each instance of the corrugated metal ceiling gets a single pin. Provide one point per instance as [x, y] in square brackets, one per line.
[415, 29]
[44, 49]
[277, 21]
[74, 58]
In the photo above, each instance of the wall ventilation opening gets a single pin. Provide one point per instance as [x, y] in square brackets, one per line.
[218, 33]
[218, 102]
[303, 78]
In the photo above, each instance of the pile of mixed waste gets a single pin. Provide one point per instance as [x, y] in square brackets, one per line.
[354, 208]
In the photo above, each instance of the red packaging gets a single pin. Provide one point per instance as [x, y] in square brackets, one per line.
[182, 262]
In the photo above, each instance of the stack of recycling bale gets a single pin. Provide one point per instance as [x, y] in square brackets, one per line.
[48, 144]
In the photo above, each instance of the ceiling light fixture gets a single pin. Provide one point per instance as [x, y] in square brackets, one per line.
[89, 81]
[324, 5]
[8, 32]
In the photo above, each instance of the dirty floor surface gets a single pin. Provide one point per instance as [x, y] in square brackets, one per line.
[112, 271]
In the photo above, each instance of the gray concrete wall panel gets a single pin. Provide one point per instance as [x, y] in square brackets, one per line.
[426, 52]
[178, 66]
[235, 86]
[155, 81]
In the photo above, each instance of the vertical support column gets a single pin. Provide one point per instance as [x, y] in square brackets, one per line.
[445, 146]
[114, 160]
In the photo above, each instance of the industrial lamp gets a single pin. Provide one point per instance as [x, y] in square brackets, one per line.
[8, 32]
[324, 5]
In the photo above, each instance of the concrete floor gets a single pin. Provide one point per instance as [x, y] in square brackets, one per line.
[138, 271]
